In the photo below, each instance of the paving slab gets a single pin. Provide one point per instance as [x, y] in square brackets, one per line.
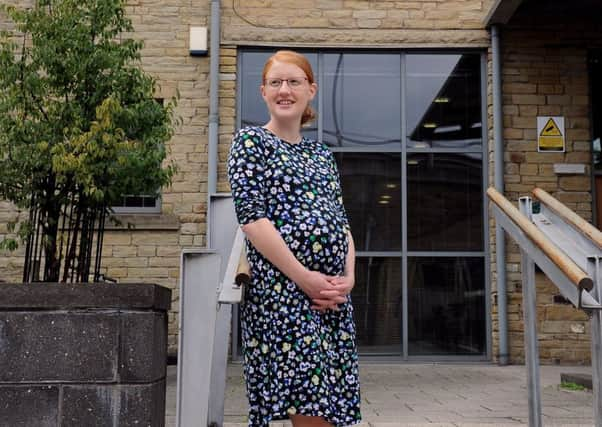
[436, 395]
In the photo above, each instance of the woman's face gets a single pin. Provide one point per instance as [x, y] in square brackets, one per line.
[286, 92]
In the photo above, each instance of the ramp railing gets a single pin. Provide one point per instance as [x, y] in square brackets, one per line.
[568, 250]
[211, 281]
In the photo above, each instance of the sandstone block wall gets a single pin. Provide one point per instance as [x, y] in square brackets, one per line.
[540, 78]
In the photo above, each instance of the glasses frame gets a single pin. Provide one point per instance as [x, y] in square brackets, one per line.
[292, 87]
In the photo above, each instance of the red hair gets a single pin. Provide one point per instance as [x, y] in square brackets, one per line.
[291, 57]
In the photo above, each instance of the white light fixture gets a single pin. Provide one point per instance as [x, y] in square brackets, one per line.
[441, 100]
[198, 41]
[445, 129]
[391, 185]
[429, 125]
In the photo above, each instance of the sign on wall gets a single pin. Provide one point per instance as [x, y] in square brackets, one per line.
[550, 133]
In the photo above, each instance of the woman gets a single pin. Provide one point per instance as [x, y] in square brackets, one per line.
[297, 326]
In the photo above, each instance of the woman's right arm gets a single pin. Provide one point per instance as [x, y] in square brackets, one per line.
[268, 241]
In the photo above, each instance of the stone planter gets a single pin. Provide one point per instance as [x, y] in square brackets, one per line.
[83, 355]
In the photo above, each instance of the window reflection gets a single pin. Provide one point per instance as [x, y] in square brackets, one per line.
[372, 196]
[377, 305]
[447, 300]
[362, 102]
[445, 201]
[444, 101]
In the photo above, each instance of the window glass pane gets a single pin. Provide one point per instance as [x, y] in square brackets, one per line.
[377, 304]
[372, 196]
[446, 306]
[445, 201]
[443, 101]
[253, 109]
[362, 102]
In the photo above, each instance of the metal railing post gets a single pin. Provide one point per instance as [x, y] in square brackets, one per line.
[595, 270]
[530, 326]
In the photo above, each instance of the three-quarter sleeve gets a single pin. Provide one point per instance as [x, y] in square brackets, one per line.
[338, 193]
[246, 167]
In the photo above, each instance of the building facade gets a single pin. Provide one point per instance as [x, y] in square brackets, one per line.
[406, 96]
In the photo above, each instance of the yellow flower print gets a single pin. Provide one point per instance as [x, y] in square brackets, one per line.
[264, 348]
[345, 336]
[325, 345]
[284, 157]
[286, 347]
[317, 247]
[278, 287]
[307, 339]
[310, 195]
[315, 380]
[253, 343]
[292, 410]
[249, 143]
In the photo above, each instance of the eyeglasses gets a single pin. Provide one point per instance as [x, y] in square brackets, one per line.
[293, 83]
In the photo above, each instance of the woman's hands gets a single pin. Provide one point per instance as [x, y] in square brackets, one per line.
[326, 292]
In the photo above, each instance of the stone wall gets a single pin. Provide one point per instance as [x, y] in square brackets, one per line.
[538, 79]
[545, 74]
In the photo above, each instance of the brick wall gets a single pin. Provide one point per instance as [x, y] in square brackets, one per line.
[545, 74]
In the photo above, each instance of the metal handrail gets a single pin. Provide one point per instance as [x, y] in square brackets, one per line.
[571, 217]
[575, 274]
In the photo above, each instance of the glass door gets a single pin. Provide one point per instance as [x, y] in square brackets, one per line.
[444, 183]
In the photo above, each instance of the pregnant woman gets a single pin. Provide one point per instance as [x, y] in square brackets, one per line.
[298, 333]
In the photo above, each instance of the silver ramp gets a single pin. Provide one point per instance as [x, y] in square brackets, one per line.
[204, 322]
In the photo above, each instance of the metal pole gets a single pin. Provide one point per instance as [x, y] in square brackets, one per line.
[530, 319]
[500, 245]
[212, 154]
[595, 271]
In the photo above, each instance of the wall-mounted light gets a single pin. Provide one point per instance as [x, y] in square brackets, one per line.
[441, 100]
[429, 125]
[198, 41]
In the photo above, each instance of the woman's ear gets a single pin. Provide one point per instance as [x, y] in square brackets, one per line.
[313, 89]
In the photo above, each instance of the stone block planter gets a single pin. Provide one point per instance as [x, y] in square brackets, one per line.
[83, 355]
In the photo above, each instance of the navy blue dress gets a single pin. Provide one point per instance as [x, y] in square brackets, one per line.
[297, 360]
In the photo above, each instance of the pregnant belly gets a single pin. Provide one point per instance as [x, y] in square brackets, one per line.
[318, 240]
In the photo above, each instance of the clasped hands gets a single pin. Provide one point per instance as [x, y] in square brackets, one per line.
[326, 292]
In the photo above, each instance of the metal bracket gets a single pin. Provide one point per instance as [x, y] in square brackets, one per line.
[583, 306]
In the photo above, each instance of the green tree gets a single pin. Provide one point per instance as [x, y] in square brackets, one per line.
[79, 126]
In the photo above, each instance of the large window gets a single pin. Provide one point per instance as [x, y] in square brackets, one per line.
[406, 130]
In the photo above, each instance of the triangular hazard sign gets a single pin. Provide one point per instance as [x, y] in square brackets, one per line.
[550, 129]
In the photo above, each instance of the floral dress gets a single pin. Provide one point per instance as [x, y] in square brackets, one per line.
[296, 360]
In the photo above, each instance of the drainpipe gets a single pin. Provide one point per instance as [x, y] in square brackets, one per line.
[212, 154]
[500, 255]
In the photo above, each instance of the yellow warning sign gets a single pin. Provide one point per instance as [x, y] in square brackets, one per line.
[550, 134]
[550, 129]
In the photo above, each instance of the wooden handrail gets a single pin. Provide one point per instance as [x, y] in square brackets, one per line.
[243, 271]
[577, 276]
[561, 210]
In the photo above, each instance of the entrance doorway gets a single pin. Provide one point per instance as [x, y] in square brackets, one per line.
[407, 132]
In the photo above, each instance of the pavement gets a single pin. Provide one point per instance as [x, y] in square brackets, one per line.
[436, 395]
